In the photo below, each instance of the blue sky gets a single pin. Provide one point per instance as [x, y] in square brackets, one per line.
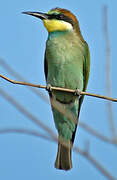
[22, 47]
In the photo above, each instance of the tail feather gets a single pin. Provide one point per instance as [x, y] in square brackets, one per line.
[63, 160]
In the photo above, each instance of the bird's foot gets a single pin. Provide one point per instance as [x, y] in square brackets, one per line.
[49, 88]
[77, 93]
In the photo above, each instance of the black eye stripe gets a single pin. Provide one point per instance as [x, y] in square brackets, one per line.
[61, 17]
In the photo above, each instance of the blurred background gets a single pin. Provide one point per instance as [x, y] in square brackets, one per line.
[22, 46]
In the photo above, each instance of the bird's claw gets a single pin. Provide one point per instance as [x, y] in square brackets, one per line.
[77, 93]
[49, 88]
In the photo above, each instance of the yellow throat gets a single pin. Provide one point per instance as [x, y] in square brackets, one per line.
[56, 25]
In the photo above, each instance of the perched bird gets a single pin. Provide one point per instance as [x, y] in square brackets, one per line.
[67, 65]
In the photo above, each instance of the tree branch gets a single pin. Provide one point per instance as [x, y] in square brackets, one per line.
[63, 111]
[31, 117]
[97, 134]
[95, 163]
[25, 131]
[58, 89]
[83, 125]
[11, 71]
[84, 153]
[27, 114]
[110, 115]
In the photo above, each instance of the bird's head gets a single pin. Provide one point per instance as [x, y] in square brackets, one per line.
[57, 19]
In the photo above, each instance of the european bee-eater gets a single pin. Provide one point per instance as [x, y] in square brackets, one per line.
[67, 65]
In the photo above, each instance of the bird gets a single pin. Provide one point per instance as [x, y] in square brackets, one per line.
[66, 65]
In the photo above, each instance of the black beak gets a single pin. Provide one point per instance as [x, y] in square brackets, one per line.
[37, 14]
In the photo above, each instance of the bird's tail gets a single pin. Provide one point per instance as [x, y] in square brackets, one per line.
[63, 159]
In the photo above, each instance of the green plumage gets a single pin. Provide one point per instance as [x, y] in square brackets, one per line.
[66, 65]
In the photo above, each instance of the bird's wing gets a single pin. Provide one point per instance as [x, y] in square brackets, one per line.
[45, 67]
[86, 70]
[86, 66]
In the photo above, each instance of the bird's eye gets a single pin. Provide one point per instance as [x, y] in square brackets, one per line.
[61, 16]
[57, 16]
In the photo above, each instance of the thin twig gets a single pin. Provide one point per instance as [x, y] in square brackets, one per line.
[25, 131]
[36, 121]
[84, 153]
[52, 134]
[83, 125]
[26, 113]
[97, 134]
[11, 71]
[58, 89]
[108, 72]
[95, 163]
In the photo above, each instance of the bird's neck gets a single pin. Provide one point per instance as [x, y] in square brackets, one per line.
[66, 33]
[57, 34]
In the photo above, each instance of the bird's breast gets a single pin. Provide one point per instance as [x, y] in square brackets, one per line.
[65, 63]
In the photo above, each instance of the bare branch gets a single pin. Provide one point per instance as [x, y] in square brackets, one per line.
[97, 134]
[52, 134]
[84, 153]
[58, 89]
[25, 131]
[18, 76]
[63, 111]
[26, 113]
[95, 163]
[108, 72]
[81, 124]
